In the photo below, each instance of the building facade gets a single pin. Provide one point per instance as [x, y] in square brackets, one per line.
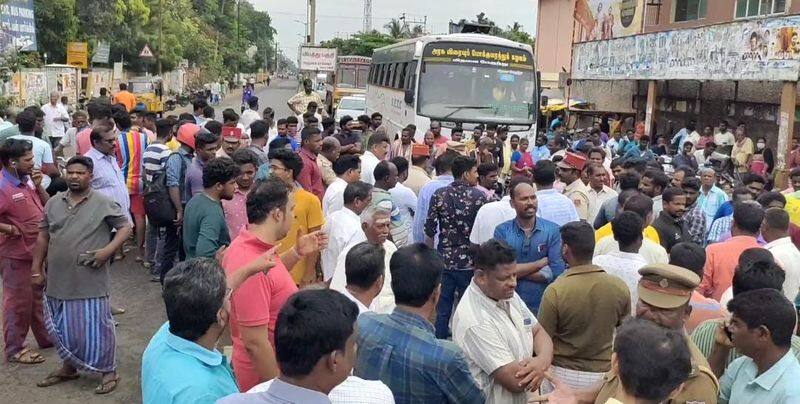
[671, 61]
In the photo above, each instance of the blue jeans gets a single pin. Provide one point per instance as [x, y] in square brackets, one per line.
[531, 293]
[453, 282]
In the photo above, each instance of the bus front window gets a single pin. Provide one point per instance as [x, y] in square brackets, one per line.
[477, 93]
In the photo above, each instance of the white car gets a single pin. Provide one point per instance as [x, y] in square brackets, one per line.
[353, 106]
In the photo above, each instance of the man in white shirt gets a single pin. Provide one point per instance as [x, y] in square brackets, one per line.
[348, 170]
[56, 118]
[625, 263]
[375, 224]
[724, 138]
[364, 270]
[497, 332]
[494, 213]
[651, 251]
[42, 151]
[599, 192]
[250, 114]
[775, 231]
[344, 225]
[353, 390]
[377, 148]
[402, 195]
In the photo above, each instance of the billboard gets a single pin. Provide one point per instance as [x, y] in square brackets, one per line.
[317, 59]
[17, 26]
[766, 49]
[607, 19]
[77, 54]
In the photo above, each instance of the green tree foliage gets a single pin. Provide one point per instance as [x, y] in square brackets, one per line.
[204, 32]
[513, 32]
[361, 44]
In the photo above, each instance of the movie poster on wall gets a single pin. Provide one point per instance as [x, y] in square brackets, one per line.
[607, 19]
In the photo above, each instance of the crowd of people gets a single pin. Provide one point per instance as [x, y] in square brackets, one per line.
[348, 264]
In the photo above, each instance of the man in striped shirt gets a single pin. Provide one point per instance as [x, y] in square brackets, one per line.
[130, 155]
[155, 160]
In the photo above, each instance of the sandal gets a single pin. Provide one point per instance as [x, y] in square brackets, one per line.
[56, 378]
[27, 356]
[107, 386]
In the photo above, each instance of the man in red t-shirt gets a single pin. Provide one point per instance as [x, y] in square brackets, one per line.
[99, 115]
[256, 303]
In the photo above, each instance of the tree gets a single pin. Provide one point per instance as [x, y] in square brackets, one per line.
[512, 32]
[417, 31]
[361, 44]
[204, 32]
[397, 29]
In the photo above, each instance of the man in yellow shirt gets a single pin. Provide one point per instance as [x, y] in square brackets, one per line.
[125, 97]
[649, 232]
[286, 166]
[742, 150]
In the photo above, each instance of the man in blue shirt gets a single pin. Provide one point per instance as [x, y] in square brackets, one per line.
[761, 328]
[641, 152]
[401, 350]
[541, 151]
[536, 241]
[181, 363]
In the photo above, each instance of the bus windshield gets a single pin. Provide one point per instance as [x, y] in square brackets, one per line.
[352, 76]
[477, 83]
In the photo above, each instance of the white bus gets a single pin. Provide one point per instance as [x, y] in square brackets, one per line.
[455, 78]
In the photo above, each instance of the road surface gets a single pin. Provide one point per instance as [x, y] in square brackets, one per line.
[274, 96]
[132, 290]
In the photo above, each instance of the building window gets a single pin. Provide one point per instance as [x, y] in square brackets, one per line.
[688, 10]
[753, 8]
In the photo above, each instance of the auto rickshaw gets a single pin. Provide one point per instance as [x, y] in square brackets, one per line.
[148, 92]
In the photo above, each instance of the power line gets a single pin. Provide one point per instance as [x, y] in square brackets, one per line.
[342, 17]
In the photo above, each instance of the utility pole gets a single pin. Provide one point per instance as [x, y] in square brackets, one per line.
[312, 22]
[160, 34]
[367, 23]
[238, 47]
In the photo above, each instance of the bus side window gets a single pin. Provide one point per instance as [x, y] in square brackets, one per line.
[371, 75]
[381, 74]
[411, 76]
[401, 79]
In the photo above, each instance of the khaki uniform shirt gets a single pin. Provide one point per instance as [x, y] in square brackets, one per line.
[701, 388]
[580, 311]
[326, 168]
[417, 178]
[578, 193]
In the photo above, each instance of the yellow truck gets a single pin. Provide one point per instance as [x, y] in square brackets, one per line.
[350, 78]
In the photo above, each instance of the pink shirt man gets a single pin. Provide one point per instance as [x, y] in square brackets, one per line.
[311, 176]
[721, 261]
[236, 213]
[256, 302]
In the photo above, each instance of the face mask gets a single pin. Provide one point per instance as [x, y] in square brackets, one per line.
[760, 145]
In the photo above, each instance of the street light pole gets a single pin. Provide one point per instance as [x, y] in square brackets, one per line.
[160, 33]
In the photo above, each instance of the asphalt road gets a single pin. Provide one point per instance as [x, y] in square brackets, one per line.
[274, 96]
[132, 290]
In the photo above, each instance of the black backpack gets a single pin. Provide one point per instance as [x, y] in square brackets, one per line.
[157, 203]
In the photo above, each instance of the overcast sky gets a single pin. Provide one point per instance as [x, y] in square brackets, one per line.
[344, 17]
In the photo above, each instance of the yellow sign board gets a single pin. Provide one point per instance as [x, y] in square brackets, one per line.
[78, 54]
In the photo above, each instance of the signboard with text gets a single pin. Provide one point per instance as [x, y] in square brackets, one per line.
[606, 19]
[17, 26]
[478, 54]
[749, 50]
[101, 53]
[317, 59]
[78, 54]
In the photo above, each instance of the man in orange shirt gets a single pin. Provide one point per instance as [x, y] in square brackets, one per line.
[722, 258]
[125, 97]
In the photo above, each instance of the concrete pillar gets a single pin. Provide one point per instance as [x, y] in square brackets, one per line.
[785, 132]
[650, 109]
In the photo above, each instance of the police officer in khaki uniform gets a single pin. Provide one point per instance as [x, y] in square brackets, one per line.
[664, 294]
[569, 172]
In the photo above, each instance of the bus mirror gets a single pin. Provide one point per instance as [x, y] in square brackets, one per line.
[409, 97]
